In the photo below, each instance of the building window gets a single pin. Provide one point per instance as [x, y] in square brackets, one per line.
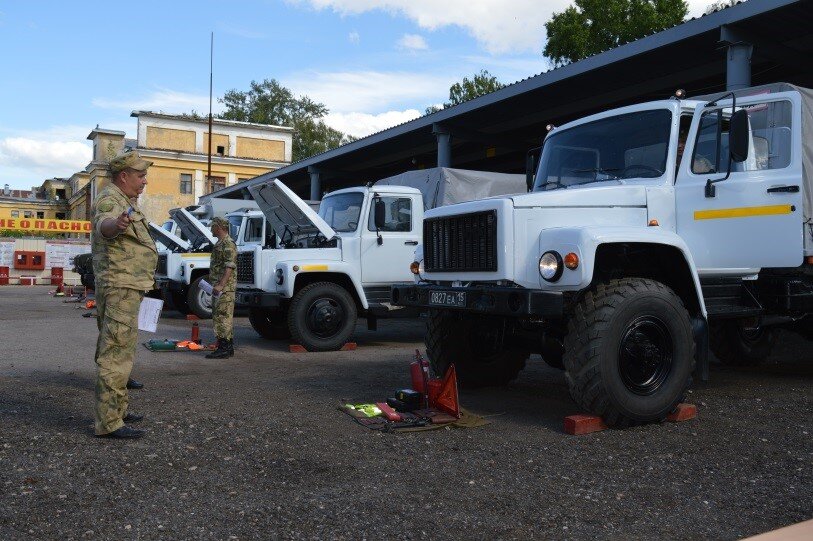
[28, 214]
[40, 215]
[217, 183]
[60, 215]
[15, 213]
[60, 194]
[221, 150]
[186, 183]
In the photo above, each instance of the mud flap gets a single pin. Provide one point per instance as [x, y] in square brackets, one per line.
[700, 330]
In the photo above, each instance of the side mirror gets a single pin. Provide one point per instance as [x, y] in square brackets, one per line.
[530, 166]
[738, 136]
[379, 213]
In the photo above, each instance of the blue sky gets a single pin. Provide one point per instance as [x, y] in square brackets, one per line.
[69, 66]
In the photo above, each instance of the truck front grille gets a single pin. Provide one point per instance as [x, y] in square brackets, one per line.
[467, 242]
[245, 267]
[161, 268]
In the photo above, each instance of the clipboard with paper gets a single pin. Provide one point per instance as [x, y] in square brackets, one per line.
[149, 313]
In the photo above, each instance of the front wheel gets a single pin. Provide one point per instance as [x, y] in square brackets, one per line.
[476, 345]
[270, 324]
[735, 343]
[629, 351]
[199, 302]
[322, 316]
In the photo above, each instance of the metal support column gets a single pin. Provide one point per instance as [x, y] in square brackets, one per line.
[444, 145]
[739, 49]
[316, 183]
[738, 66]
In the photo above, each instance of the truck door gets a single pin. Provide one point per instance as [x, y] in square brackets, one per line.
[755, 218]
[389, 261]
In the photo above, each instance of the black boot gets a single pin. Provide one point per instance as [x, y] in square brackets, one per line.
[230, 346]
[222, 351]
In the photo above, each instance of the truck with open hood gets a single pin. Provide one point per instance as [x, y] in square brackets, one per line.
[651, 231]
[328, 268]
[185, 261]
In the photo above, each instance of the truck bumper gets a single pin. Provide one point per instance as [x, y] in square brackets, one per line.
[257, 298]
[504, 301]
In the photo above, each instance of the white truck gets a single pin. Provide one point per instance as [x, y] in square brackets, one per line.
[327, 269]
[185, 262]
[631, 254]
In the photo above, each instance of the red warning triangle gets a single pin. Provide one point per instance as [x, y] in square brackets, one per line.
[447, 399]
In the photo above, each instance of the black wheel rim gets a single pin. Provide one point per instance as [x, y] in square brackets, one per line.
[325, 317]
[645, 355]
[750, 335]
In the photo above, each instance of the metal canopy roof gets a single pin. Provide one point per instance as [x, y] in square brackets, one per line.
[493, 132]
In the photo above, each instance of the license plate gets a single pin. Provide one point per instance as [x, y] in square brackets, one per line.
[448, 298]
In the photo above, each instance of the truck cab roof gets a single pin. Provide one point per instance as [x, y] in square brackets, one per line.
[382, 189]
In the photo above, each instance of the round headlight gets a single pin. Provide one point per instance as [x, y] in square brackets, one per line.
[550, 266]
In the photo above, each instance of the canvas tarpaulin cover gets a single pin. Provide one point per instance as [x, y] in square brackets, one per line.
[445, 186]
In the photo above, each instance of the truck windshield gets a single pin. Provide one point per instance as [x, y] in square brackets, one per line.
[234, 226]
[632, 145]
[341, 212]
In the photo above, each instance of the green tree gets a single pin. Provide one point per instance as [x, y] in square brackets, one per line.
[593, 26]
[269, 102]
[721, 4]
[480, 84]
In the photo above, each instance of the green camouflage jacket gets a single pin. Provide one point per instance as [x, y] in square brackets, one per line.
[128, 259]
[224, 256]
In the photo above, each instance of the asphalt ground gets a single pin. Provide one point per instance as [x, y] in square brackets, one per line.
[254, 448]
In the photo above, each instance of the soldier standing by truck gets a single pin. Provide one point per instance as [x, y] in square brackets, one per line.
[222, 272]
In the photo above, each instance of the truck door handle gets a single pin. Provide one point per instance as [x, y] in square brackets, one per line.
[411, 242]
[783, 189]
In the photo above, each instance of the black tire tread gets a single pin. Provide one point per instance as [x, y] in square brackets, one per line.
[590, 321]
[297, 335]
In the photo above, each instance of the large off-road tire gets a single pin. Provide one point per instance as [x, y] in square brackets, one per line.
[734, 344]
[629, 351]
[270, 324]
[476, 345]
[199, 302]
[322, 316]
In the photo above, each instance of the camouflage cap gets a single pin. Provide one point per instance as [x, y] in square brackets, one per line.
[129, 160]
[220, 222]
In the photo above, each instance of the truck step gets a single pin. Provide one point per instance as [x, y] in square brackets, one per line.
[729, 298]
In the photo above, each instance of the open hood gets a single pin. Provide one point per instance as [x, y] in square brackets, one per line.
[284, 209]
[197, 233]
[159, 234]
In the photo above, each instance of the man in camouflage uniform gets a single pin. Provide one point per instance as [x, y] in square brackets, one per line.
[222, 271]
[124, 259]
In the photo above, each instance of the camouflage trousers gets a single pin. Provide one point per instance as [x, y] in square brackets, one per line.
[222, 313]
[115, 350]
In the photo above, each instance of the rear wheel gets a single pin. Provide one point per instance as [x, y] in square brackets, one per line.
[629, 351]
[270, 324]
[476, 345]
[199, 302]
[736, 343]
[322, 316]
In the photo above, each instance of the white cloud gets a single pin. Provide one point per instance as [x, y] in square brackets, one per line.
[164, 100]
[363, 124]
[241, 32]
[499, 26]
[370, 91]
[413, 42]
[51, 158]
[354, 38]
